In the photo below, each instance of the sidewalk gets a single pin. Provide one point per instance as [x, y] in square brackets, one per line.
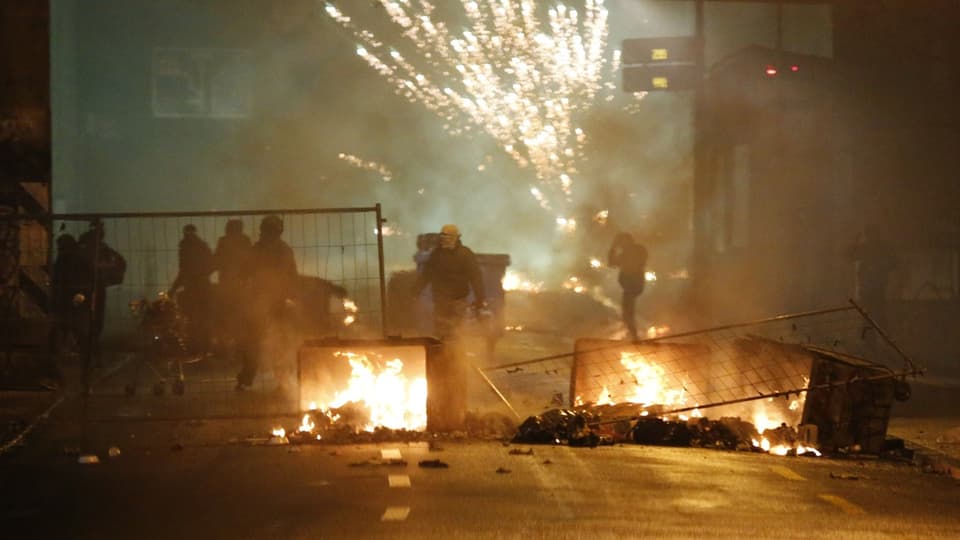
[20, 410]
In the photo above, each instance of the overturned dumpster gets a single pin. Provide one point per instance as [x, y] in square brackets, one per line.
[825, 379]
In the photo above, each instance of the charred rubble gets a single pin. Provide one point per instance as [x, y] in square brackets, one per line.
[592, 427]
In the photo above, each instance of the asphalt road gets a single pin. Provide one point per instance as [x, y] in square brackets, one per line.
[204, 480]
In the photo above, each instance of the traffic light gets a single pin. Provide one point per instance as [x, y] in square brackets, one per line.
[657, 50]
[658, 64]
[660, 77]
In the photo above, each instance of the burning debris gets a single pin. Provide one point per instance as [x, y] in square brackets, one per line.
[606, 425]
[560, 426]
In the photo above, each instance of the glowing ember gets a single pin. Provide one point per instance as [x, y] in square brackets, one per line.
[278, 436]
[574, 284]
[351, 308]
[657, 331]
[384, 173]
[384, 392]
[387, 231]
[515, 281]
[567, 225]
[307, 425]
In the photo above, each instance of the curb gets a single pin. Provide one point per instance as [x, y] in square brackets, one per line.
[934, 461]
[65, 396]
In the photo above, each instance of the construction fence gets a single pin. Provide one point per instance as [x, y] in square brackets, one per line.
[339, 292]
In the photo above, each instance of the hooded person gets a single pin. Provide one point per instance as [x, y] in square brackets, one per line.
[452, 272]
[631, 258]
[193, 279]
[230, 261]
[105, 267]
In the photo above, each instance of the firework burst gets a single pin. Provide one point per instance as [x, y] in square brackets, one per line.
[519, 75]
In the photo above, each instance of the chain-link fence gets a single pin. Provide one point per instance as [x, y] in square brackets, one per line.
[723, 366]
[175, 305]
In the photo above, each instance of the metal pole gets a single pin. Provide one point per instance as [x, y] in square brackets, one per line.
[887, 338]
[498, 393]
[383, 281]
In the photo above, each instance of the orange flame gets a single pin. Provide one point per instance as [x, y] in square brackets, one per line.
[392, 401]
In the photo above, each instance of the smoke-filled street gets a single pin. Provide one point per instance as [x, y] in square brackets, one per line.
[479, 269]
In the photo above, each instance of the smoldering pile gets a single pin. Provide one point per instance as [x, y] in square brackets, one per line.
[607, 425]
[345, 425]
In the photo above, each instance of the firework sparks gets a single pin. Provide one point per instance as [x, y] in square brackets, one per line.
[367, 165]
[520, 77]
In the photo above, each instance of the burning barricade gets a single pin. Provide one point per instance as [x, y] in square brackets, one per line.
[790, 385]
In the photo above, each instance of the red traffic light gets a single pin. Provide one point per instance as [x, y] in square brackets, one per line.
[794, 68]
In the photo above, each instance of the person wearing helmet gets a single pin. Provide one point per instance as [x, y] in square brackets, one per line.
[452, 272]
[271, 279]
[631, 258]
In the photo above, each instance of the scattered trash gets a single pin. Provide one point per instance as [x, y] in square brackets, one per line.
[519, 452]
[433, 464]
[88, 459]
[559, 426]
[113, 452]
[375, 462]
[501, 470]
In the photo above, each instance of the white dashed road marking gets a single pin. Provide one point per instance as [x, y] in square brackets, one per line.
[786, 473]
[390, 454]
[396, 513]
[398, 480]
[845, 505]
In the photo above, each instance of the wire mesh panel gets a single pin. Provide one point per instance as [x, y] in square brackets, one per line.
[534, 386]
[736, 363]
[720, 366]
[189, 339]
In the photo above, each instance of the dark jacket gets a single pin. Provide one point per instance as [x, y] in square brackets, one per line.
[196, 264]
[231, 257]
[272, 271]
[631, 259]
[452, 273]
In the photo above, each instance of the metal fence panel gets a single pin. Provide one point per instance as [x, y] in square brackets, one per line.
[339, 293]
[707, 368]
